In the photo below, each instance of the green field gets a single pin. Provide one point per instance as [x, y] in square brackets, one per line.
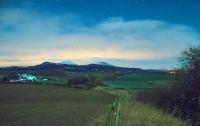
[138, 114]
[49, 104]
[140, 81]
[62, 80]
[39, 105]
[133, 113]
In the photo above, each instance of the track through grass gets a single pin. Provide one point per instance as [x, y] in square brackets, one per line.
[112, 115]
[128, 112]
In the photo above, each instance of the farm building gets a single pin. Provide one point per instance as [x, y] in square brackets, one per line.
[27, 77]
[19, 78]
[172, 71]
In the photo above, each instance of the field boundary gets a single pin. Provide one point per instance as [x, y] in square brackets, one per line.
[113, 112]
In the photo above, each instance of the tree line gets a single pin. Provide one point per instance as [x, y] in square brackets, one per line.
[84, 81]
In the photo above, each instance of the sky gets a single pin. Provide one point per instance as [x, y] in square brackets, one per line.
[149, 34]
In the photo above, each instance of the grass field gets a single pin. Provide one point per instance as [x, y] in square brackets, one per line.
[138, 114]
[62, 80]
[47, 104]
[133, 113]
[140, 81]
[39, 105]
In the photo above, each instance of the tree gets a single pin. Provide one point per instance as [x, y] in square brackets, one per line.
[190, 64]
[190, 59]
[84, 82]
[5, 79]
[183, 97]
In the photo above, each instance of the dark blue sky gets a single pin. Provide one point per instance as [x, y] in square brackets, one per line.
[132, 33]
[176, 11]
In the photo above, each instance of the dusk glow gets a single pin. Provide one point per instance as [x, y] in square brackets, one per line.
[87, 31]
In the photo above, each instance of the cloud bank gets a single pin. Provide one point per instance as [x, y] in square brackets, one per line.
[27, 38]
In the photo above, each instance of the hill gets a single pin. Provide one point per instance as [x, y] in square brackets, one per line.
[61, 68]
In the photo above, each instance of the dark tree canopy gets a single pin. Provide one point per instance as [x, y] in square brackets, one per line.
[190, 63]
[84, 82]
[190, 59]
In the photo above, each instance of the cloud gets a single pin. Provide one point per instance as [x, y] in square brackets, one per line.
[28, 35]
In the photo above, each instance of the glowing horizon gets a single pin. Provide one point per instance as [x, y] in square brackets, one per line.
[29, 37]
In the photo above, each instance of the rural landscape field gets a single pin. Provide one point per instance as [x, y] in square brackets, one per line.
[34, 105]
[141, 81]
[52, 102]
[99, 63]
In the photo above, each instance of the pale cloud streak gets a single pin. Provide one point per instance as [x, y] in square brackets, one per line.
[27, 36]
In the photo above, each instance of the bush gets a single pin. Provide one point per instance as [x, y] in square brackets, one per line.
[183, 97]
[84, 82]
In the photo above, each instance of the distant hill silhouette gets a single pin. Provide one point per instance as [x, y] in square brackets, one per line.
[53, 68]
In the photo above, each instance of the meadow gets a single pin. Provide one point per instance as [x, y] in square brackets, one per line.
[127, 111]
[39, 105]
[140, 81]
[135, 113]
[63, 79]
[52, 103]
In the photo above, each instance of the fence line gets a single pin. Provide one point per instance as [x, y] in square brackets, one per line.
[112, 116]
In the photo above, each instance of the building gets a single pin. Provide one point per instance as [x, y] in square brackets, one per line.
[27, 77]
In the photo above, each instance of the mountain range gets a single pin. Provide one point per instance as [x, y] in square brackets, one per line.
[68, 66]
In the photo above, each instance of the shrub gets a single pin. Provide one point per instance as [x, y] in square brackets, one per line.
[84, 82]
[183, 97]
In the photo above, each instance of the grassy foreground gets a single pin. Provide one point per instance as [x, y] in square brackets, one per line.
[137, 114]
[40, 105]
[134, 113]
